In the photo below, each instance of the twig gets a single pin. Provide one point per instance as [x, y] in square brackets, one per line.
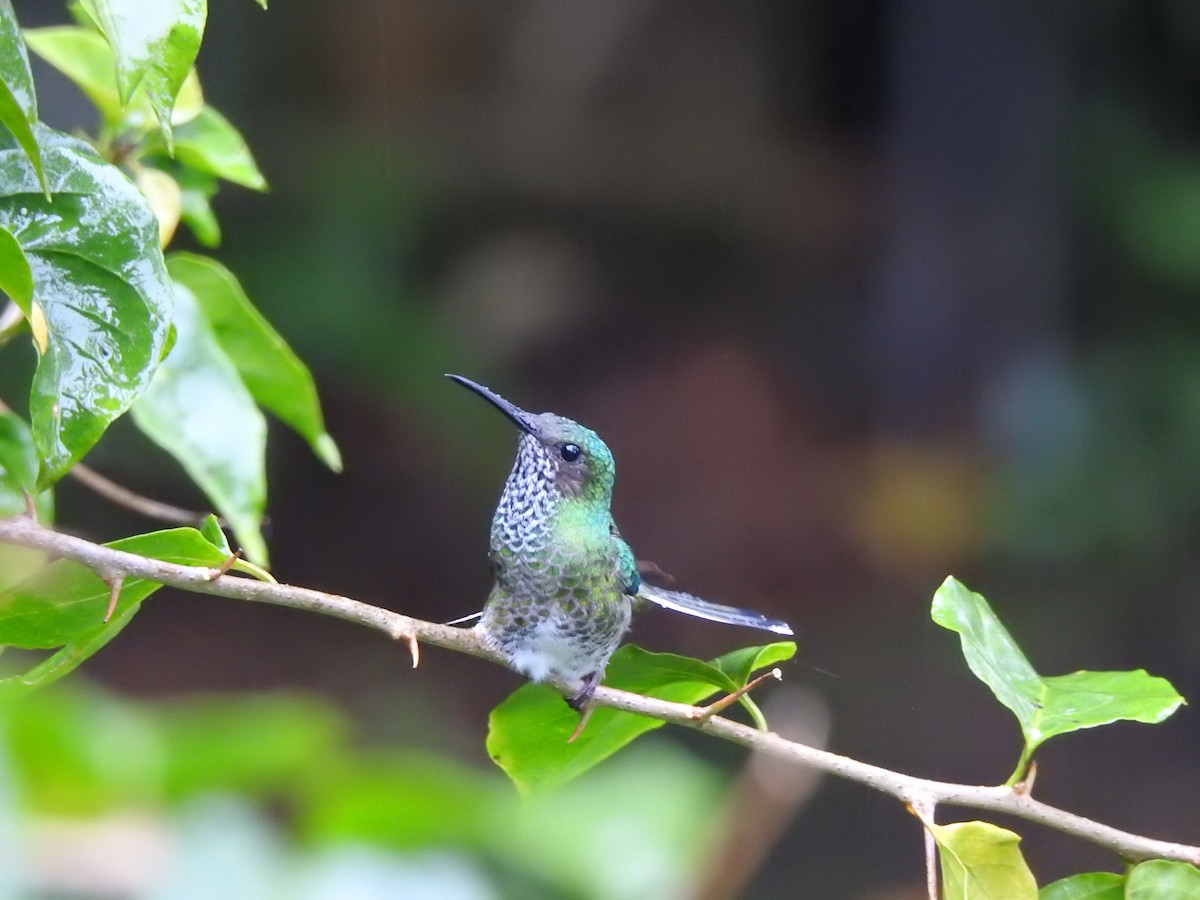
[123, 496]
[907, 788]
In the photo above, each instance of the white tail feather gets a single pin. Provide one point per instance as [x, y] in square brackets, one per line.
[714, 612]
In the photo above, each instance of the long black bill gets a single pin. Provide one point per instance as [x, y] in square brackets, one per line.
[519, 417]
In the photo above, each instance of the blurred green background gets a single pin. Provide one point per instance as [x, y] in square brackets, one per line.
[860, 294]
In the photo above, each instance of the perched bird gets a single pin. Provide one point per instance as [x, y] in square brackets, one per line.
[565, 579]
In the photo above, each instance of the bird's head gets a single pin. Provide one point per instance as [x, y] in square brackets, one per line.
[567, 456]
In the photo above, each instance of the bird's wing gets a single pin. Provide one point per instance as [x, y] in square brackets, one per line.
[694, 606]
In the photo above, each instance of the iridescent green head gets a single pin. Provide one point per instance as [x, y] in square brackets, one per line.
[555, 453]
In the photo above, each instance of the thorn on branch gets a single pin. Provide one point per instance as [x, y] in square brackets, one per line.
[114, 583]
[223, 569]
[413, 647]
[1024, 787]
[30, 508]
[704, 713]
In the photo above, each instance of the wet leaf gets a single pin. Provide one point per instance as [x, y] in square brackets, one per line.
[1088, 886]
[275, 376]
[199, 411]
[981, 861]
[101, 295]
[86, 58]
[63, 605]
[18, 101]
[155, 44]
[1045, 706]
[527, 733]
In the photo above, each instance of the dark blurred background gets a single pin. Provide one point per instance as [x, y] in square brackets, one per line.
[860, 294]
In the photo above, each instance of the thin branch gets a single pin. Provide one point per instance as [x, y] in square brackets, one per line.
[123, 496]
[907, 788]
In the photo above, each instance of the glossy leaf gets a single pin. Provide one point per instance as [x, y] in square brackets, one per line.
[1088, 886]
[64, 604]
[101, 296]
[18, 463]
[198, 410]
[211, 144]
[1160, 879]
[18, 101]
[275, 376]
[1045, 706]
[527, 733]
[155, 44]
[86, 58]
[980, 860]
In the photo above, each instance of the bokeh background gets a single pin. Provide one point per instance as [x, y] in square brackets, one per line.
[860, 294]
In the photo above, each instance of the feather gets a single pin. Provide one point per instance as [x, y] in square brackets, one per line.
[715, 612]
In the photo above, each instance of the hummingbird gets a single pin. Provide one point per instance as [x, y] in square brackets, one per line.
[565, 580]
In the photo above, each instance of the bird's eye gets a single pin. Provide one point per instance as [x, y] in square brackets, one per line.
[570, 452]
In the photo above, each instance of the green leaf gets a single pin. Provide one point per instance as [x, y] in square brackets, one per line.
[155, 43]
[211, 144]
[101, 295]
[741, 664]
[16, 279]
[527, 733]
[18, 464]
[86, 58]
[80, 751]
[197, 189]
[64, 604]
[400, 799]
[198, 410]
[275, 376]
[165, 197]
[64, 661]
[1159, 879]
[18, 102]
[980, 861]
[245, 744]
[210, 528]
[1045, 707]
[1088, 886]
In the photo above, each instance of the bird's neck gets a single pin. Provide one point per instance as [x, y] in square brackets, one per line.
[531, 516]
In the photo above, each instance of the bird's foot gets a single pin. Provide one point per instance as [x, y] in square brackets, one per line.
[704, 713]
[583, 720]
[587, 687]
[579, 702]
